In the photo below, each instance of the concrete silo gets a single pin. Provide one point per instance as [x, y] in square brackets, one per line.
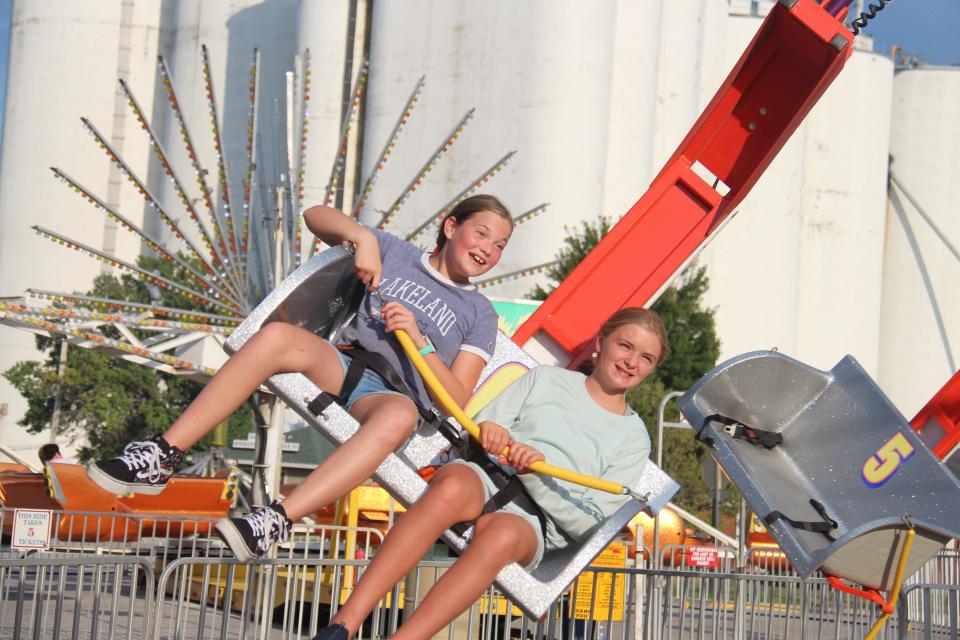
[324, 29]
[920, 330]
[538, 73]
[53, 48]
[799, 267]
[231, 32]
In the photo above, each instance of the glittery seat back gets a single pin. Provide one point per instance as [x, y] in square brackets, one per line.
[319, 297]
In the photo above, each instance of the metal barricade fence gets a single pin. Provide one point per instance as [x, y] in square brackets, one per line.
[101, 580]
[94, 555]
[620, 604]
[57, 596]
[931, 611]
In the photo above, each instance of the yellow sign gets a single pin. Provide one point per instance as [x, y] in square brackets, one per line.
[599, 596]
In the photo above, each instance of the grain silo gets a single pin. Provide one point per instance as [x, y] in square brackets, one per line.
[798, 268]
[920, 328]
[53, 48]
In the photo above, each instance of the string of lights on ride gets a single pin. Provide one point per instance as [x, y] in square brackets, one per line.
[341, 156]
[211, 289]
[300, 172]
[425, 170]
[100, 340]
[222, 181]
[153, 278]
[225, 242]
[471, 188]
[398, 128]
[151, 201]
[109, 303]
[249, 150]
[219, 257]
[86, 315]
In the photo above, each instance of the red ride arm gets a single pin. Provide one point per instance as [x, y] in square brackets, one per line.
[796, 54]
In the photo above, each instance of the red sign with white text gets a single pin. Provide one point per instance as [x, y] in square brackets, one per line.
[703, 557]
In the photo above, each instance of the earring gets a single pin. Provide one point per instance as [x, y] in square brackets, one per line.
[594, 354]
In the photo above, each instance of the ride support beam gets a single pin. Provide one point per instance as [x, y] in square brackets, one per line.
[797, 52]
[938, 423]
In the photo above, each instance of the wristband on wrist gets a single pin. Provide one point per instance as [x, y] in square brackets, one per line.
[427, 348]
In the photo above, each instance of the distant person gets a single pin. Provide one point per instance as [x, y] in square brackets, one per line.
[50, 452]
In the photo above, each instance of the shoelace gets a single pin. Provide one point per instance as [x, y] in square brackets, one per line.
[269, 527]
[138, 455]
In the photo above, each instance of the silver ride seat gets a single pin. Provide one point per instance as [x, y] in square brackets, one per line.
[845, 446]
[320, 297]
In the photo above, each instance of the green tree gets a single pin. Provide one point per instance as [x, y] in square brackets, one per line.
[575, 248]
[694, 351]
[106, 400]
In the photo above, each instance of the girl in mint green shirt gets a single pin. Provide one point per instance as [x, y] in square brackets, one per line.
[574, 421]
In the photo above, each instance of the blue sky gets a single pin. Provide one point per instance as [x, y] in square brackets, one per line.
[927, 28]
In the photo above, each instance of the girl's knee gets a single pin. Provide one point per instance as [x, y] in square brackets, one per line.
[505, 537]
[397, 423]
[274, 336]
[455, 489]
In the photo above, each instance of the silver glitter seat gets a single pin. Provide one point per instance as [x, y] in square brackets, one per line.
[844, 446]
[320, 296]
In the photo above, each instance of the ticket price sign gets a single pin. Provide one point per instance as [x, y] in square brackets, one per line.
[702, 557]
[600, 596]
[31, 529]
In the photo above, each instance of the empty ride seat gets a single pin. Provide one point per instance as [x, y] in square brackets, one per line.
[320, 296]
[849, 466]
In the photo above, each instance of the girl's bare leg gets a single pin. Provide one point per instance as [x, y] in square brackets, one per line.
[455, 495]
[500, 538]
[276, 347]
[386, 420]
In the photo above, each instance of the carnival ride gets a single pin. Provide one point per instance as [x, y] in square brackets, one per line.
[743, 405]
[237, 247]
[798, 51]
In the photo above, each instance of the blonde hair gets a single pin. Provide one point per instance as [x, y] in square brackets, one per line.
[643, 318]
[469, 207]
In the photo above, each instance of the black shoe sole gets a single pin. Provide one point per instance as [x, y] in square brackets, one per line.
[108, 483]
[229, 533]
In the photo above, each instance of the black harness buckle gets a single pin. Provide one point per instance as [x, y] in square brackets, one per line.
[509, 487]
[739, 431]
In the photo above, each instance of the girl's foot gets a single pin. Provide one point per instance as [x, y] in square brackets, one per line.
[251, 536]
[143, 467]
[333, 632]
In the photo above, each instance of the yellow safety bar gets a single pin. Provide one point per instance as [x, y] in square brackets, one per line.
[454, 410]
[897, 582]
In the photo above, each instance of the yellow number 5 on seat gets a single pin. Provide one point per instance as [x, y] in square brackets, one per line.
[884, 464]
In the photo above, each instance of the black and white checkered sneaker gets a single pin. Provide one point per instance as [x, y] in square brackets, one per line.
[143, 467]
[252, 535]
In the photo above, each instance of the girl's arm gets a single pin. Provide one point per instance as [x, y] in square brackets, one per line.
[460, 379]
[578, 510]
[334, 227]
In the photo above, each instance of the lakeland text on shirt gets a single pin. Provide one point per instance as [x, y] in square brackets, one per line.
[456, 317]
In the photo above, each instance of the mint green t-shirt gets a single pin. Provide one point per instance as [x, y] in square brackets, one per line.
[550, 410]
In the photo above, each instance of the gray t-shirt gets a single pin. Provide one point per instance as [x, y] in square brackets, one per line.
[456, 317]
[549, 409]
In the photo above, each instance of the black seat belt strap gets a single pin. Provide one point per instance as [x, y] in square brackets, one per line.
[739, 431]
[825, 526]
[509, 488]
[350, 381]
[361, 360]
